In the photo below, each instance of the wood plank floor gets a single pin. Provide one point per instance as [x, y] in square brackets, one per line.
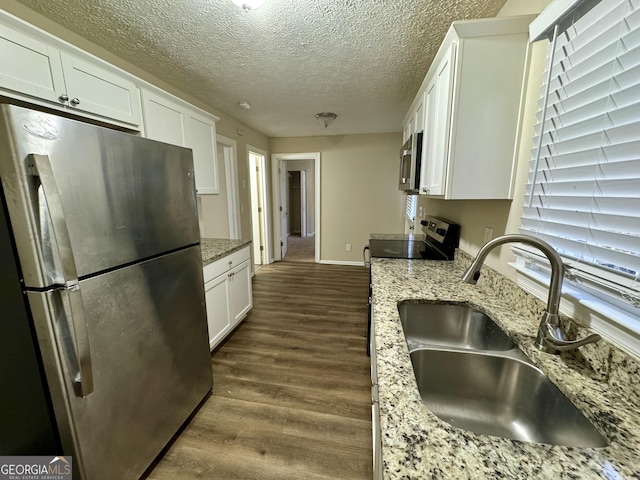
[291, 396]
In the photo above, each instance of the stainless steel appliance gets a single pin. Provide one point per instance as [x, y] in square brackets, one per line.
[440, 242]
[103, 349]
[410, 162]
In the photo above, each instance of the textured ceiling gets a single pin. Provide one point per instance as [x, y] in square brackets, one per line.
[362, 59]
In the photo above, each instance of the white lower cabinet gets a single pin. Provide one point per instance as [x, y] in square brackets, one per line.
[228, 293]
[218, 316]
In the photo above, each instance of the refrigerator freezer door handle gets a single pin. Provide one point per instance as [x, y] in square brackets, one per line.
[43, 169]
[74, 310]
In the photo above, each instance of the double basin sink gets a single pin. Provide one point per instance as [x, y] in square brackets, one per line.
[471, 375]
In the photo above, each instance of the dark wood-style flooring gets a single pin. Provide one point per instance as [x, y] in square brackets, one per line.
[291, 396]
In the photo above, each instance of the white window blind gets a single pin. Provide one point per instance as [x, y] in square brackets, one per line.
[410, 207]
[583, 193]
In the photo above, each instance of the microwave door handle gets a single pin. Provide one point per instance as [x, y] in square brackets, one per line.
[40, 166]
[403, 159]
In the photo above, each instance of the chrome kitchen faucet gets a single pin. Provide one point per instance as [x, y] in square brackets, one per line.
[550, 337]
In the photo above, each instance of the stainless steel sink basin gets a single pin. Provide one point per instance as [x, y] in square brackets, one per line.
[500, 396]
[457, 326]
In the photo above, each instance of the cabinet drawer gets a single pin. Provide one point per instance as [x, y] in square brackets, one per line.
[236, 258]
[226, 263]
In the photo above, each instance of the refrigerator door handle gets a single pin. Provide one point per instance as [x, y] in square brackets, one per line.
[74, 311]
[41, 167]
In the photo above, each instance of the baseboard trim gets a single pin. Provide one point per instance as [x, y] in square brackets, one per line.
[342, 262]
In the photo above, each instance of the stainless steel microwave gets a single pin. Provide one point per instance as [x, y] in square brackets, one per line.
[410, 159]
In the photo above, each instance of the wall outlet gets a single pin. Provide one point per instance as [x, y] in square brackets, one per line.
[348, 247]
[241, 209]
[488, 234]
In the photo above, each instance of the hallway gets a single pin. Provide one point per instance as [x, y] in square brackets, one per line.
[300, 249]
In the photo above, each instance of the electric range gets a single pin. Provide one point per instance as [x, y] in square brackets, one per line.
[441, 240]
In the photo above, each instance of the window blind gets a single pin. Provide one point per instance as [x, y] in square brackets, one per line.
[410, 207]
[583, 192]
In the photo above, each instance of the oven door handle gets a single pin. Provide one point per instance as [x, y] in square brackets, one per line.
[367, 263]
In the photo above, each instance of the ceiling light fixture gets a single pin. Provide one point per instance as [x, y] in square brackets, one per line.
[326, 118]
[244, 105]
[247, 5]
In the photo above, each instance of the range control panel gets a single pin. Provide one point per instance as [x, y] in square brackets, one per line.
[442, 231]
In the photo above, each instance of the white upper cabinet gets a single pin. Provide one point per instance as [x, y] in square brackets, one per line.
[40, 69]
[434, 158]
[29, 66]
[170, 120]
[165, 120]
[473, 94]
[37, 71]
[93, 88]
[201, 138]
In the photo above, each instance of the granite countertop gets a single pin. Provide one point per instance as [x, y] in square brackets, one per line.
[604, 384]
[215, 248]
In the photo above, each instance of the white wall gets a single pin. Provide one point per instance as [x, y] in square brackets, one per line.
[214, 209]
[358, 189]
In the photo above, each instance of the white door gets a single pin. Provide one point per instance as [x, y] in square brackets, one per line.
[255, 210]
[259, 205]
[284, 208]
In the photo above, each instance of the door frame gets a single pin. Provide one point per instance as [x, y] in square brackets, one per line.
[265, 237]
[230, 149]
[275, 181]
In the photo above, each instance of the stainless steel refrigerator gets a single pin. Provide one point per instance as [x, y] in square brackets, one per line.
[104, 349]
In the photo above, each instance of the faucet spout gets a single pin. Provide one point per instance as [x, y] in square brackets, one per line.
[550, 337]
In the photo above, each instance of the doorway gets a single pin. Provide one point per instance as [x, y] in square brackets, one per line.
[303, 169]
[297, 207]
[259, 205]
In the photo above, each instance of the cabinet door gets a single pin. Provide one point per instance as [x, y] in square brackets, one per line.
[95, 89]
[164, 120]
[218, 315]
[240, 294]
[418, 117]
[29, 66]
[201, 138]
[439, 97]
[428, 156]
